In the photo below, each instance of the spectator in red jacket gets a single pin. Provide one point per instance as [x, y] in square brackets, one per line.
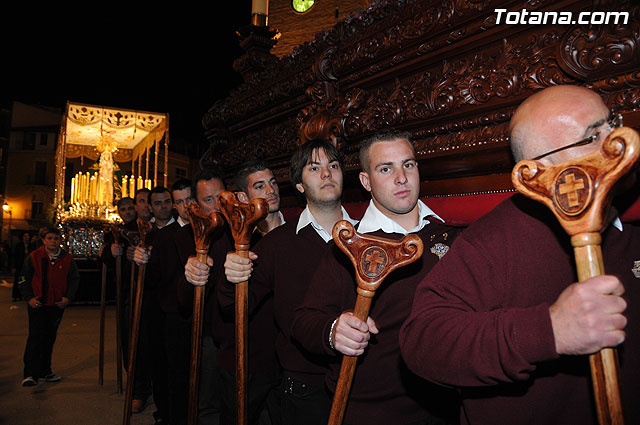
[49, 280]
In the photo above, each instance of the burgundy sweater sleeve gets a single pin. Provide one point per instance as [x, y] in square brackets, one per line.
[330, 292]
[458, 332]
[260, 283]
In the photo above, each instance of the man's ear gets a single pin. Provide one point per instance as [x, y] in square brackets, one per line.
[242, 197]
[300, 187]
[364, 180]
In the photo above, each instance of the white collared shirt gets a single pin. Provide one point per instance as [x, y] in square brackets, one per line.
[181, 222]
[373, 220]
[307, 218]
[171, 220]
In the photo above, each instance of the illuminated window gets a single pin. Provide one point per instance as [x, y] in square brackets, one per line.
[302, 6]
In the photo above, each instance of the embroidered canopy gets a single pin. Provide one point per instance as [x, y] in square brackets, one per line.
[89, 130]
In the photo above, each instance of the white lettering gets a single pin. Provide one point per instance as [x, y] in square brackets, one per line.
[585, 20]
[553, 15]
[600, 18]
[512, 18]
[565, 18]
[536, 18]
[616, 15]
[525, 17]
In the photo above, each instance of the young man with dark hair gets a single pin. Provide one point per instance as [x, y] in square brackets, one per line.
[126, 209]
[206, 187]
[49, 280]
[141, 199]
[256, 180]
[383, 390]
[169, 331]
[161, 205]
[263, 368]
[281, 263]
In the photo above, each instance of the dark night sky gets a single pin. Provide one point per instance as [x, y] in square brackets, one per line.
[176, 60]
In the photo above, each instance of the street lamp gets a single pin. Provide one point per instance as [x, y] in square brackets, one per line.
[7, 208]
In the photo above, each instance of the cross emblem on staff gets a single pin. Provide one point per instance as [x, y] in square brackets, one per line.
[570, 187]
[374, 259]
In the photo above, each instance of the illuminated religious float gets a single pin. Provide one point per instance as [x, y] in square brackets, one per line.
[106, 140]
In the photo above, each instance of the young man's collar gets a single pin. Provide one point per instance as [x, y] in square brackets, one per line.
[181, 222]
[374, 220]
[171, 221]
[307, 218]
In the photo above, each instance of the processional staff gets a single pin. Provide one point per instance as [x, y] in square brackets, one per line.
[579, 194]
[242, 219]
[204, 227]
[144, 230]
[116, 232]
[373, 259]
[103, 302]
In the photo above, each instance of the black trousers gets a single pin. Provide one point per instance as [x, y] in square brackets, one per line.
[178, 348]
[43, 328]
[301, 403]
[152, 356]
[260, 385]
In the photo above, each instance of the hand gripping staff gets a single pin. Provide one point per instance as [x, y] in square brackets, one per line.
[203, 227]
[144, 229]
[373, 259]
[579, 194]
[116, 231]
[242, 219]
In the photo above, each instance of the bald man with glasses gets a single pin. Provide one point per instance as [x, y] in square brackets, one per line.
[501, 318]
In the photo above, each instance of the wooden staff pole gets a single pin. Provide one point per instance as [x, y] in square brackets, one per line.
[144, 228]
[103, 295]
[118, 333]
[579, 193]
[204, 227]
[116, 232]
[373, 259]
[242, 219]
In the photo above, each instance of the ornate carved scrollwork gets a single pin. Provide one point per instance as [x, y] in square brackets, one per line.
[590, 52]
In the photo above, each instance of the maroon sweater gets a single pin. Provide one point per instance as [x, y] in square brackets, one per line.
[383, 390]
[285, 260]
[480, 320]
[220, 323]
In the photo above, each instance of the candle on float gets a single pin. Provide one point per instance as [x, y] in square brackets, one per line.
[101, 197]
[140, 183]
[147, 184]
[124, 187]
[132, 186]
[73, 183]
[87, 187]
[92, 193]
[259, 6]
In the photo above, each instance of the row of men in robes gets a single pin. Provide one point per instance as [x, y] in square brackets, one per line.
[489, 329]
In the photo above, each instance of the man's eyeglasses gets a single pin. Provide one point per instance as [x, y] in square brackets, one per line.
[614, 122]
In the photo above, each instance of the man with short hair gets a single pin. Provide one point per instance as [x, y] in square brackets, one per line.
[383, 390]
[126, 209]
[161, 205]
[282, 261]
[206, 187]
[256, 180]
[170, 331]
[500, 317]
[141, 199]
[49, 280]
